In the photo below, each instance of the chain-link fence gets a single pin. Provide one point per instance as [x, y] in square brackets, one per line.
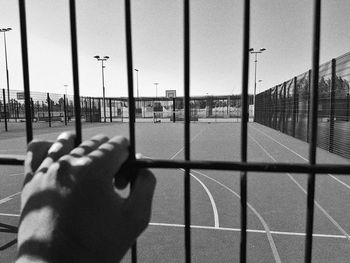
[52, 110]
[286, 107]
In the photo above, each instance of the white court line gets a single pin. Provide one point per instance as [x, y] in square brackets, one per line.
[212, 201]
[227, 229]
[302, 157]
[195, 137]
[262, 220]
[316, 203]
[10, 215]
[248, 230]
[8, 198]
[14, 174]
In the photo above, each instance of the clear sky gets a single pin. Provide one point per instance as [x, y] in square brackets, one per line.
[283, 27]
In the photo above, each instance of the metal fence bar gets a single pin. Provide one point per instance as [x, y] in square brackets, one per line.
[49, 108]
[313, 130]
[131, 100]
[74, 44]
[187, 182]
[24, 46]
[244, 130]
[5, 110]
[65, 109]
[300, 168]
[331, 117]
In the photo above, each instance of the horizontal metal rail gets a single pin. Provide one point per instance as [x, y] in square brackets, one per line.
[298, 168]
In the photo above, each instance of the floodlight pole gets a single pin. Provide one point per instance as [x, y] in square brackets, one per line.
[102, 59]
[256, 62]
[4, 30]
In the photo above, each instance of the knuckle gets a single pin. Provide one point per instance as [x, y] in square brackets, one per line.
[122, 141]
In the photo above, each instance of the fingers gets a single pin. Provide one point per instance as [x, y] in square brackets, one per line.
[36, 153]
[88, 146]
[140, 199]
[63, 145]
[110, 156]
[123, 176]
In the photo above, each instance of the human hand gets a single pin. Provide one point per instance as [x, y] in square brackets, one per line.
[70, 210]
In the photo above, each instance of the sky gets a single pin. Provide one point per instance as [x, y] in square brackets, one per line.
[283, 27]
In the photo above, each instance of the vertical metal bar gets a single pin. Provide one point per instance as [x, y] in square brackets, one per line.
[283, 101]
[65, 109]
[331, 117]
[24, 45]
[90, 104]
[295, 105]
[110, 110]
[244, 130]
[131, 99]
[308, 107]
[49, 108]
[17, 111]
[313, 130]
[33, 110]
[74, 46]
[174, 109]
[5, 110]
[187, 182]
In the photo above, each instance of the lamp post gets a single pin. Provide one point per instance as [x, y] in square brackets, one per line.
[251, 50]
[4, 30]
[156, 84]
[137, 81]
[103, 59]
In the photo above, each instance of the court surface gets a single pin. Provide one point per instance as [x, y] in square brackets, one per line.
[277, 202]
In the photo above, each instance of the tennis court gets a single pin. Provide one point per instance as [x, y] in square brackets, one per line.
[276, 202]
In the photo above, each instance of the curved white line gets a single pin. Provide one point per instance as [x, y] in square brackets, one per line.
[212, 201]
[263, 222]
[316, 203]
[297, 154]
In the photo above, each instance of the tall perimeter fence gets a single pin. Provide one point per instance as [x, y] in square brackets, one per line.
[53, 110]
[286, 107]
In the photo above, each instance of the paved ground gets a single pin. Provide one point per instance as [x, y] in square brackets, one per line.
[277, 207]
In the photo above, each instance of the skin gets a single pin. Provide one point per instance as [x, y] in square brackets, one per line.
[70, 209]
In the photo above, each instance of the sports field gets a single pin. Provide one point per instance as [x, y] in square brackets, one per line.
[277, 202]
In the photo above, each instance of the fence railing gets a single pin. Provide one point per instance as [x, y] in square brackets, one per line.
[286, 107]
[52, 109]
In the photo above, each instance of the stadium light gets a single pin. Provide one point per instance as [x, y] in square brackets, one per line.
[103, 59]
[251, 50]
[4, 30]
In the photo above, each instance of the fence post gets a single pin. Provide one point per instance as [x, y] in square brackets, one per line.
[110, 110]
[331, 117]
[5, 111]
[275, 108]
[65, 109]
[90, 109]
[174, 108]
[295, 106]
[49, 108]
[38, 110]
[308, 107]
[284, 108]
[17, 111]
